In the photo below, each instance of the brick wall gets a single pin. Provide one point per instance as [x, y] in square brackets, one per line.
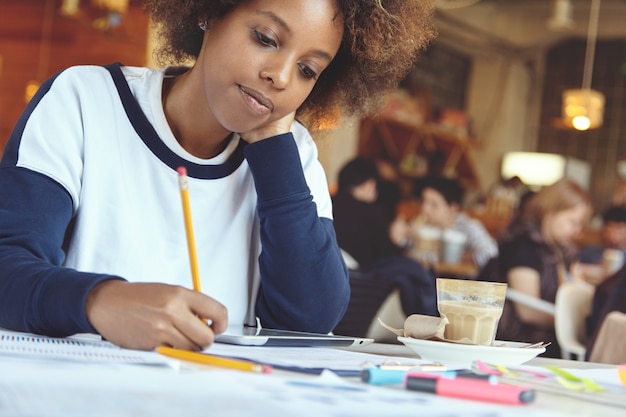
[600, 147]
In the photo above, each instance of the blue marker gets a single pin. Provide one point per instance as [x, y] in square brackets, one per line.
[378, 376]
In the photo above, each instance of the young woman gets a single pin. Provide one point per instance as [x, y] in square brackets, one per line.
[91, 226]
[536, 253]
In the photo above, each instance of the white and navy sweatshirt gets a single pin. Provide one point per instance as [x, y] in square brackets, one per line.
[89, 192]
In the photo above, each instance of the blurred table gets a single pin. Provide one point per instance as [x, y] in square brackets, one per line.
[466, 268]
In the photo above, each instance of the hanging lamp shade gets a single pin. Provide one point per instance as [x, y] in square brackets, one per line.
[583, 108]
[562, 18]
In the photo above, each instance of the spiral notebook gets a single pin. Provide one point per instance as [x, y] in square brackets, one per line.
[84, 347]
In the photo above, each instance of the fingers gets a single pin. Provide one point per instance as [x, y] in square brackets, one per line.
[215, 312]
[194, 327]
[273, 128]
[174, 337]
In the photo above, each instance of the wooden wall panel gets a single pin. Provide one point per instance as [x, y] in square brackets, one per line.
[72, 41]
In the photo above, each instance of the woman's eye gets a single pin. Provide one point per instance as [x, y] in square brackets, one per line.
[264, 39]
[308, 72]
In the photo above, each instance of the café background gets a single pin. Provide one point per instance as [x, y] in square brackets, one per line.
[501, 62]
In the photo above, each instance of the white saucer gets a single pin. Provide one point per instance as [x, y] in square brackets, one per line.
[513, 353]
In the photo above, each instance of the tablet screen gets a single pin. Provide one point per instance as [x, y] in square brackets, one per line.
[271, 337]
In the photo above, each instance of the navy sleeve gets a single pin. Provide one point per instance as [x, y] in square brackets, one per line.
[304, 281]
[37, 294]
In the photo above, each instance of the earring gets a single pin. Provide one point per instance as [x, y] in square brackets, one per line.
[203, 25]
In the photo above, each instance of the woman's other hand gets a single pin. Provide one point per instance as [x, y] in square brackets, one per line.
[275, 128]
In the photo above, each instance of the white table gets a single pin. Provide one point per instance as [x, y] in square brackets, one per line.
[564, 404]
[39, 386]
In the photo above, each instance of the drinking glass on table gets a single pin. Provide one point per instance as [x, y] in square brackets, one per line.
[473, 309]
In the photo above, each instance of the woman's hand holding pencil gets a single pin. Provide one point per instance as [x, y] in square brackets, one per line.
[148, 315]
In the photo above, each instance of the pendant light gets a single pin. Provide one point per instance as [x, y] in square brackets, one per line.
[562, 16]
[583, 108]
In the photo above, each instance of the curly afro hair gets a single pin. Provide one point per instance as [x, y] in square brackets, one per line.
[382, 41]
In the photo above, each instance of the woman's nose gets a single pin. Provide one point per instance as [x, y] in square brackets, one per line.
[278, 73]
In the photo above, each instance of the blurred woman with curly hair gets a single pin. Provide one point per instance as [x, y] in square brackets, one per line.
[93, 237]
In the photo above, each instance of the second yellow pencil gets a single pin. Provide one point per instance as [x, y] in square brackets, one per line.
[205, 359]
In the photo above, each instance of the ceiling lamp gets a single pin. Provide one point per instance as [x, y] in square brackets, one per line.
[583, 108]
[562, 16]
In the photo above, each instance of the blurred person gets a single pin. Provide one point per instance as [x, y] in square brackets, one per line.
[597, 261]
[618, 198]
[536, 253]
[503, 199]
[389, 189]
[376, 239]
[442, 207]
[610, 296]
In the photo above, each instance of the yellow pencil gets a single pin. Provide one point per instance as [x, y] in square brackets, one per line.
[191, 243]
[212, 360]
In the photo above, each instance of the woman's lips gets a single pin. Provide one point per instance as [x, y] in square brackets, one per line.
[256, 101]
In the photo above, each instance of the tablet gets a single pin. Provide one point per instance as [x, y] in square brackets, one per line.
[253, 336]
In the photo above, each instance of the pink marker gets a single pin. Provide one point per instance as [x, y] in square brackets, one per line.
[469, 388]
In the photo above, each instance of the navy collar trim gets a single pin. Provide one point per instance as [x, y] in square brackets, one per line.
[151, 139]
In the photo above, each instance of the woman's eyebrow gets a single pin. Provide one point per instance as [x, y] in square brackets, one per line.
[276, 19]
[322, 54]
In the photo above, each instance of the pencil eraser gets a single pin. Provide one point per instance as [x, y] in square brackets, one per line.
[267, 369]
[182, 171]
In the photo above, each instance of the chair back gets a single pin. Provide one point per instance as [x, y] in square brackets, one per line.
[572, 306]
[367, 295]
[609, 344]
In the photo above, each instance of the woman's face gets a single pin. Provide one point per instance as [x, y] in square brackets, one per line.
[563, 226]
[261, 61]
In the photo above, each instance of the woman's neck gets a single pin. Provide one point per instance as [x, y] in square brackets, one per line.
[190, 118]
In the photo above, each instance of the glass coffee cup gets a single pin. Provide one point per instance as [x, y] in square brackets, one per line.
[473, 309]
